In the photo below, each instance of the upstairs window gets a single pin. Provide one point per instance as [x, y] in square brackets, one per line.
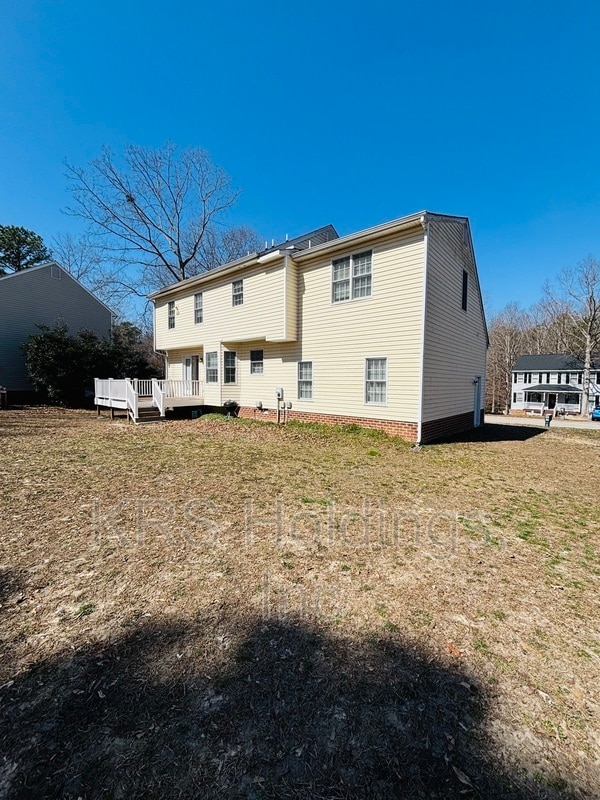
[376, 381]
[212, 367]
[351, 277]
[171, 314]
[198, 309]
[465, 289]
[256, 362]
[237, 293]
[229, 366]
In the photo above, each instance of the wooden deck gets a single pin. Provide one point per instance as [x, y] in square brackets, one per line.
[138, 396]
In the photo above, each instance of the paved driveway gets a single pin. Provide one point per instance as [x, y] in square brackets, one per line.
[538, 422]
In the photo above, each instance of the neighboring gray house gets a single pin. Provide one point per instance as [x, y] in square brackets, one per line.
[42, 295]
[552, 382]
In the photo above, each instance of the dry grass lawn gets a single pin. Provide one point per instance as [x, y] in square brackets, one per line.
[222, 609]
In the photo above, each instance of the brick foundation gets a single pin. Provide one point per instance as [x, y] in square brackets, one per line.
[406, 430]
[447, 426]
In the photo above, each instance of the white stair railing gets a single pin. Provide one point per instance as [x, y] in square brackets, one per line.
[131, 397]
[158, 396]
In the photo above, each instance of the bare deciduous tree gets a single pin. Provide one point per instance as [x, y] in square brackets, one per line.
[577, 297]
[507, 341]
[158, 214]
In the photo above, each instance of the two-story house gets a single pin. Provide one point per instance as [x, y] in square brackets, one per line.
[552, 382]
[42, 295]
[384, 327]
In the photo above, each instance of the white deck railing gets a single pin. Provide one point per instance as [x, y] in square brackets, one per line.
[113, 391]
[143, 386]
[126, 392]
[173, 388]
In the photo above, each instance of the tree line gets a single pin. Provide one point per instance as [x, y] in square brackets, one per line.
[565, 320]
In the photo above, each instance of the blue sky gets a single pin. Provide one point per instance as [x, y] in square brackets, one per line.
[352, 113]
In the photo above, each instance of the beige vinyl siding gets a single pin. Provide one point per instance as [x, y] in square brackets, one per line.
[34, 297]
[262, 314]
[291, 300]
[339, 337]
[455, 340]
[336, 337]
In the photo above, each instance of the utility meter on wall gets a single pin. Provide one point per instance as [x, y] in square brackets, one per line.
[279, 394]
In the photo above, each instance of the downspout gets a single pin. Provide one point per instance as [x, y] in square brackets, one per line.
[425, 224]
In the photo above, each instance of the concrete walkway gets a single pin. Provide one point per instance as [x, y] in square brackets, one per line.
[538, 422]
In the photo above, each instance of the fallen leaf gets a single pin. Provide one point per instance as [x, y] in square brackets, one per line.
[462, 777]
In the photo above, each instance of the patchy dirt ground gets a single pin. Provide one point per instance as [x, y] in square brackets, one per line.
[230, 610]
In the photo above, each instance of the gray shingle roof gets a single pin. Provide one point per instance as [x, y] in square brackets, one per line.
[563, 388]
[552, 362]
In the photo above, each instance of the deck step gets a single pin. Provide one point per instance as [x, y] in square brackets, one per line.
[146, 415]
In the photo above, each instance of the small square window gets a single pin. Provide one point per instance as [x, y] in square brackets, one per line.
[256, 362]
[237, 293]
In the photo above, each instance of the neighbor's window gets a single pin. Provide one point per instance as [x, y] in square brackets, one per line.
[351, 277]
[465, 289]
[256, 362]
[559, 379]
[514, 377]
[237, 293]
[198, 309]
[212, 367]
[171, 314]
[567, 377]
[229, 366]
[305, 380]
[547, 377]
[376, 381]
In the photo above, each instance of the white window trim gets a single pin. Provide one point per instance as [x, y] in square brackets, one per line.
[351, 299]
[370, 403]
[262, 362]
[171, 306]
[312, 381]
[235, 367]
[201, 309]
[234, 294]
[206, 367]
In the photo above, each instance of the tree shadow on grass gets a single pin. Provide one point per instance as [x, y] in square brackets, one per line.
[246, 708]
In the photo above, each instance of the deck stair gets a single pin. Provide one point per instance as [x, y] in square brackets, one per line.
[147, 414]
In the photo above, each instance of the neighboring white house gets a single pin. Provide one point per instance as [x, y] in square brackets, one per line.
[42, 295]
[552, 382]
[384, 328]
